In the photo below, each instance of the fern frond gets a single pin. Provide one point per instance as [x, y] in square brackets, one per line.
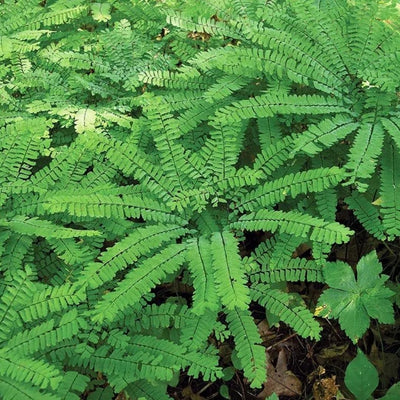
[58, 16]
[364, 153]
[325, 203]
[268, 105]
[71, 385]
[389, 190]
[131, 368]
[99, 205]
[15, 251]
[228, 271]
[40, 227]
[139, 282]
[147, 390]
[13, 390]
[197, 330]
[277, 302]
[282, 251]
[392, 126]
[221, 150]
[200, 267]
[274, 156]
[367, 214]
[49, 300]
[140, 242]
[324, 134]
[21, 144]
[71, 252]
[247, 340]
[44, 335]
[209, 26]
[294, 270]
[292, 222]
[85, 119]
[133, 163]
[154, 316]
[176, 356]
[38, 372]
[273, 192]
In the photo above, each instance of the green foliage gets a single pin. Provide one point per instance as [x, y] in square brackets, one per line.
[144, 144]
[361, 377]
[354, 302]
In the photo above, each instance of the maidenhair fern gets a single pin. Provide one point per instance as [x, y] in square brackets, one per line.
[135, 157]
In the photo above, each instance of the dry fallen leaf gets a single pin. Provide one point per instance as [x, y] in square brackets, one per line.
[188, 393]
[316, 374]
[280, 380]
[265, 331]
[333, 351]
[387, 365]
[325, 389]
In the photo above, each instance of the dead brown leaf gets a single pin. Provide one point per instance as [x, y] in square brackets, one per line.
[280, 380]
[333, 351]
[265, 332]
[325, 389]
[387, 364]
[316, 374]
[203, 36]
[188, 394]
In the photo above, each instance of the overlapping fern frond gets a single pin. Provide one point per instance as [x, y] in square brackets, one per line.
[142, 143]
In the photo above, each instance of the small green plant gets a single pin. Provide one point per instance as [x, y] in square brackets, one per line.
[361, 378]
[353, 301]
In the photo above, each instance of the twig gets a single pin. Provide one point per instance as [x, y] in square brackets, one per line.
[281, 341]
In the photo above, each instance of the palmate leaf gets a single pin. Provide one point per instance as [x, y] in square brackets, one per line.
[355, 302]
